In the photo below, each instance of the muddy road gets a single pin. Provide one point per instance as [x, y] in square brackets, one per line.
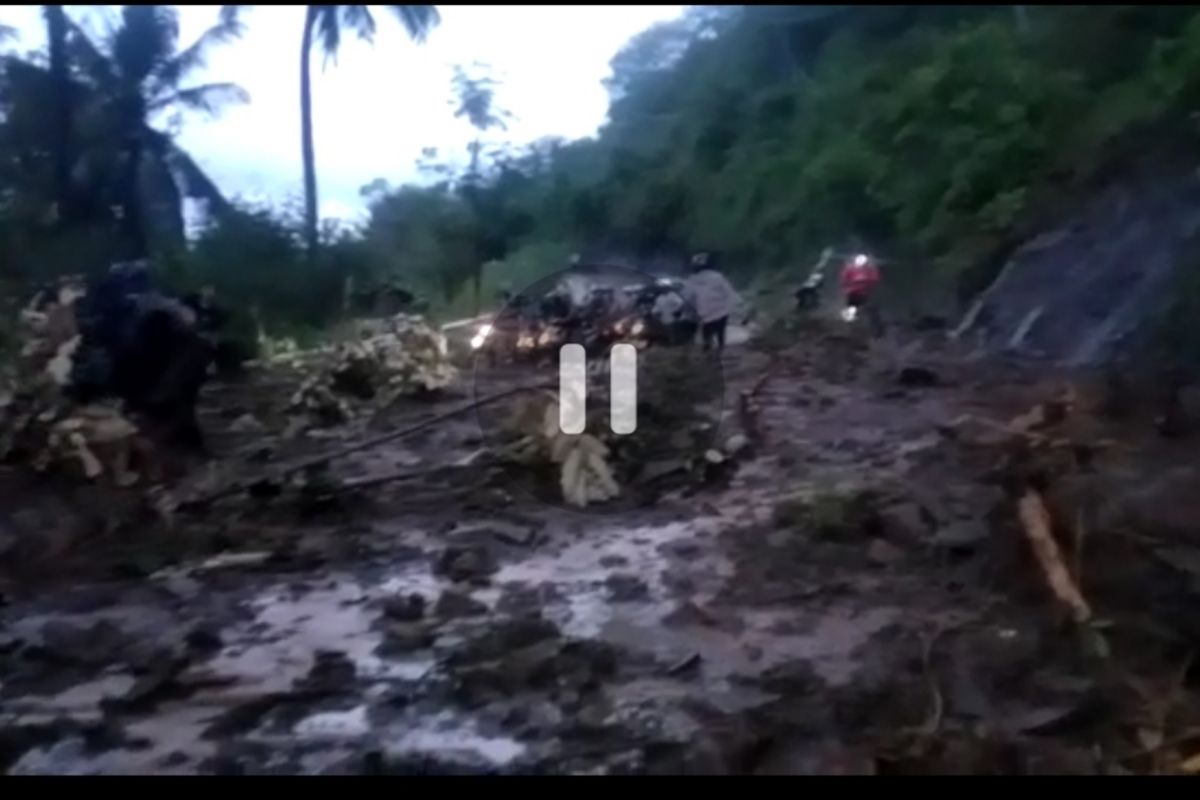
[854, 596]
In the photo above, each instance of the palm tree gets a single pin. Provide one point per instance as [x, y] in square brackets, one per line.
[476, 102]
[133, 77]
[56, 37]
[327, 23]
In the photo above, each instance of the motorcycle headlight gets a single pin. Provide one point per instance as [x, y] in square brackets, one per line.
[481, 336]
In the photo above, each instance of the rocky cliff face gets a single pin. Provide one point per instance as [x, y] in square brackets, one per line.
[1081, 291]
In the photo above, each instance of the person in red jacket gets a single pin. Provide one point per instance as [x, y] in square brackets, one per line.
[859, 277]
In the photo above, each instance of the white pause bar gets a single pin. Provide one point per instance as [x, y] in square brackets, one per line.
[622, 389]
[572, 389]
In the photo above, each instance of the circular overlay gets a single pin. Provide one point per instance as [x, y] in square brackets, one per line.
[624, 349]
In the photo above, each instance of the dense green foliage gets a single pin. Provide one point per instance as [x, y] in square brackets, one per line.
[931, 135]
[927, 134]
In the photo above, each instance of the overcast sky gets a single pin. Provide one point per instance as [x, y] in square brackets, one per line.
[377, 107]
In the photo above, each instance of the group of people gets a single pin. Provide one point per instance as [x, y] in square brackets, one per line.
[151, 350]
[670, 311]
[676, 311]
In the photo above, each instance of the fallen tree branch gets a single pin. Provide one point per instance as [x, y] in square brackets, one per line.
[1035, 520]
[748, 408]
[402, 475]
[324, 458]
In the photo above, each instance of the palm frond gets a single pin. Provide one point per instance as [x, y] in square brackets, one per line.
[208, 97]
[88, 56]
[193, 181]
[169, 73]
[418, 21]
[359, 20]
[329, 29]
[231, 14]
[146, 38]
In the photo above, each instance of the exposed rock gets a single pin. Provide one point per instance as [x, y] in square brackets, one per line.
[465, 563]
[526, 599]
[203, 638]
[626, 588]
[404, 638]
[451, 605]
[332, 670]
[404, 608]
[505, 636]
[961, 535]
[906, 522]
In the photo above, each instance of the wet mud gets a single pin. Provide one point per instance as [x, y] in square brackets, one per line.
[855, 597]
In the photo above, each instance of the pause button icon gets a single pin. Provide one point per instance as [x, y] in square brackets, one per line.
[572, 389]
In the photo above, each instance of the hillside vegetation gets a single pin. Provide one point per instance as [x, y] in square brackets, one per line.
[935, 136]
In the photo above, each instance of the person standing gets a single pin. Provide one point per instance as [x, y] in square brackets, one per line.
[713, 297]
[860, 277]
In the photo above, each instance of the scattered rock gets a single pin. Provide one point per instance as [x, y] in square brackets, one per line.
[516, 535]
[736, 444]
[535, 719]
[247, 423]
[505, 636]
[452, 605]
[465, 563]
[906, 522]
[686, 664]
[961, 535]
[918, 377]
[203, 638]
[405, 637]
[532, 665]
[682, 548]
[151, 689]
[613, 561]
[526, 599]
[593, 716]
[626, 588]
[331, 671]
[404, 608]
[883, 553]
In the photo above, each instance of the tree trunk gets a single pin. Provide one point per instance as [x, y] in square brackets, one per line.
[132, 220]
[307, 152]
[473, 177]
[56, 36]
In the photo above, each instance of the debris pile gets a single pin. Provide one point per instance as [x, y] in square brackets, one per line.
[675, 444]
[39, 423]
[383, 361]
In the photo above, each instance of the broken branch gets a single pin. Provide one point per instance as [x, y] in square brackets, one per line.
[342, 452]
[1035, 520]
